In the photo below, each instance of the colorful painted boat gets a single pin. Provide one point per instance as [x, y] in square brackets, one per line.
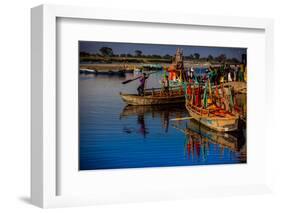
[214, 118]
[155, 97]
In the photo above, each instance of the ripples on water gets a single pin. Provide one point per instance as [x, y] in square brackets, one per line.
[113, 135]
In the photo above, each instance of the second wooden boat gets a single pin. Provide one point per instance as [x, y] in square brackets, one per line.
[133, 99]
[154, 97]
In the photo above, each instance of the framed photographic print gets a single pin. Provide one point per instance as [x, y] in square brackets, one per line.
[130, 106]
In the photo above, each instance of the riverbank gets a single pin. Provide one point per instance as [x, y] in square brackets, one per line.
[106, 67]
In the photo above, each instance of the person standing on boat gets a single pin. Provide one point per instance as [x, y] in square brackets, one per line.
[142, 84]
[165, 83]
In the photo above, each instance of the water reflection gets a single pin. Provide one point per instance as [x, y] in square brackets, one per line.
[163, 112]
[199, 138]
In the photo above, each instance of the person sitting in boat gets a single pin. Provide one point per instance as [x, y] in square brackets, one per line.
[165, 84]
[142, 84]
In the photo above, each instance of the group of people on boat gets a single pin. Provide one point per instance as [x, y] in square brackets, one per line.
[227, 73]
[219, 74]
[216, 75]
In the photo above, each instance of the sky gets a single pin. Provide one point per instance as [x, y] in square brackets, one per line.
[160, 49]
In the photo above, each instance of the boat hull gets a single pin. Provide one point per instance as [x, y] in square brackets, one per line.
[220, 124]
[133, 99]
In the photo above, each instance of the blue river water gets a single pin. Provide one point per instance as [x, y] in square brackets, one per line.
[114, 136]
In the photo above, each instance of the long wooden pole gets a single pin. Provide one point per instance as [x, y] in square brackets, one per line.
[130, 80]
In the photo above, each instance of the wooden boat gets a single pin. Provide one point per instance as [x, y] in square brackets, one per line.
[214, 118]
[158, 96]
[215, 109]
[87, 71]
[155, 97]
[103, 72]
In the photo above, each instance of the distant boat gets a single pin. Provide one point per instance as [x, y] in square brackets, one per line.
[87, 71]
[155, 97]
[110, 72]
[103, 72]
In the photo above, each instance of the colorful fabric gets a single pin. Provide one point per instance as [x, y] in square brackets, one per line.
[205, 98]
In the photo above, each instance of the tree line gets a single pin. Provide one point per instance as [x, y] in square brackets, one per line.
[108, 52]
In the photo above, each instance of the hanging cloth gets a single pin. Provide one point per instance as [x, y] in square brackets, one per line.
[185, 89]
[197, 96]
[230, 98]
[205, 98]
[164, 71]
[217, 91]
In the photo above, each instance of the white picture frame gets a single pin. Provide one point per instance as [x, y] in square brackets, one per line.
[44, 155]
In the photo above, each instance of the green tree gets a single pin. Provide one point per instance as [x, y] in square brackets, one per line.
[235, 60]
[221, 58]
[210, 57]
[83, 54]
[196, 55]
[156, 56]
[106, 51]
[167, 56]
[190, 56]
[138, 53]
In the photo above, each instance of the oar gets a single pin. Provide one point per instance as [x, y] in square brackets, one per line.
[130, 80]
[187, 118]
[180, 119]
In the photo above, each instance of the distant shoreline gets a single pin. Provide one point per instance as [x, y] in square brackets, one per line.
[133, 66]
